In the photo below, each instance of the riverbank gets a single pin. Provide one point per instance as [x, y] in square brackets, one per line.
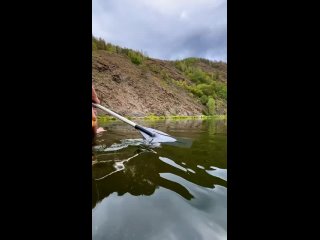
[152, 117]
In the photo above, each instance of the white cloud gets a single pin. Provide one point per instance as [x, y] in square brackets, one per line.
[164, 29]
[183, 15]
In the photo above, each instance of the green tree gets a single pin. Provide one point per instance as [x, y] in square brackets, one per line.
[195, 91]
[198, 76]
[135, 57]
[204, 99]
[206, 88]
[101, 44]
[94, 46]
[220, 90]
[211, 106]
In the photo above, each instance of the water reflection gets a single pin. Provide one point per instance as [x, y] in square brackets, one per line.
[138, 170]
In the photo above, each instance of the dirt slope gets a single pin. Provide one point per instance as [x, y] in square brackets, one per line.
[141, 90]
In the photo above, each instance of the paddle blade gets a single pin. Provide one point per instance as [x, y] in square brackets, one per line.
[181, 143]
[159, 137]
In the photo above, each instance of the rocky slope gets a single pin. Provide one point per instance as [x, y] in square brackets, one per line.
[154, 87]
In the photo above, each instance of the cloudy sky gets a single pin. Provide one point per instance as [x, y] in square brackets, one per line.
[164, 29]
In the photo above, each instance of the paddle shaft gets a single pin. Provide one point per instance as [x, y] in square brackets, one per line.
[136, 126]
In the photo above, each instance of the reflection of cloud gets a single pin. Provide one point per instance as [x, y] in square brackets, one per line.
[172, 163]
[218, 172]
[129, 217]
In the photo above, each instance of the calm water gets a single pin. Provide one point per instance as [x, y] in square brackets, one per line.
[164, 192]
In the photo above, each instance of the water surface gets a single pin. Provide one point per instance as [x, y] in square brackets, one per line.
[160, 192]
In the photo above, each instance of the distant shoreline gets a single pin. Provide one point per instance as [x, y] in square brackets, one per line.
[216, 117]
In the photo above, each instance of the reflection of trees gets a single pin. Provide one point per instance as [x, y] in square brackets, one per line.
[137, 171]
[214, 126]
[209, 146]
[140, 175]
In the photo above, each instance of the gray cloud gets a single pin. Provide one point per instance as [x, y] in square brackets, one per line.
[164, 29]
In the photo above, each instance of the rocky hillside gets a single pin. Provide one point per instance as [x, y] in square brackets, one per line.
[134, 85]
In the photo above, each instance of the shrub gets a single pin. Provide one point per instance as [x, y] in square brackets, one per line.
[195, 91]
[206, 88]
[94, 46]
[220, 90]
[135, 57]
[211, 106]
[204, 99]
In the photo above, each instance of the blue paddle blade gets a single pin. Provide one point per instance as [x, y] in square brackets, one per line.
[159, 137]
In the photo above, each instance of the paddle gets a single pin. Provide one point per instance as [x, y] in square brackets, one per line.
[151, 135]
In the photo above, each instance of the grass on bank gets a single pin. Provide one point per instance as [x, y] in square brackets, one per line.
[176, 117]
